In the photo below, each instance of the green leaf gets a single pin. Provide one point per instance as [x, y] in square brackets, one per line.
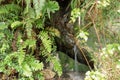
[26, 70]
[33, 63]
[118, 64]
[39, 23]
[36, 65]
[21, 57]
[1, 35]
[9, 57]
[30, 14]
[38, 5]
[27, 6]
[9, 8]
[51, 6]
[75, 14]
[3, 25]
[83, 35]
[57, 65]
[73, 3]
[54, 32]
[30, 43]
[2, 68]
[29, 28]
[47, 43]
[16, 24]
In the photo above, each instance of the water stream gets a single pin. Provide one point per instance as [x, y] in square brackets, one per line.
[76, 75]
[76, 63]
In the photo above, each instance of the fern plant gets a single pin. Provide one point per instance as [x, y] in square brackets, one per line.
[21, 28]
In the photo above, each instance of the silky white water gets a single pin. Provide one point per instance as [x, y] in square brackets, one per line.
[76, 63]
[75, 75]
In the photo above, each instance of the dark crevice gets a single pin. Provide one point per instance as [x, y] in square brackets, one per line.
[63, 3]
[66, 43]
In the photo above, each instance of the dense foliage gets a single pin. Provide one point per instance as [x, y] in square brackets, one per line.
[27, 41]
[24, 37]
[101, 19]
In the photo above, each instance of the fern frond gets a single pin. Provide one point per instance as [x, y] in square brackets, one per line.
[9, 9]
[46, 40]
[38, 5]
[6, 9]
[53, 31]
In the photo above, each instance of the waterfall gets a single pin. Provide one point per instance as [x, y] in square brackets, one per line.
[76, 75]
[76, 63]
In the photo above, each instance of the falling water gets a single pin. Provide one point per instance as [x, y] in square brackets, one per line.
[76, 52]
[76, 75]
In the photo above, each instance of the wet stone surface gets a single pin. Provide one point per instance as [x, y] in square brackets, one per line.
[72, 76]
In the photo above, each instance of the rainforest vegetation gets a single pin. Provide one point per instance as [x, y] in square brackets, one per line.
[39, 39]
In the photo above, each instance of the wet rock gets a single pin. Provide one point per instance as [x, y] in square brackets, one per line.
[67, 40]
[48, 74]
[76, 75]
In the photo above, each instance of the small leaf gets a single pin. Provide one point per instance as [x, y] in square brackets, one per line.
[29, 28]
[54, 31]
[3, 25]
[36, 65]
[38, 5]
[47, 42]
[30, 43]
[75, 14]
[119, 48]
[21, 57]
[39, 23]
[57, 66]
[16, 24]
[83, 35]
[26, 70]
[51, 6]
[27, 6]
[1, 35]
[118, 64]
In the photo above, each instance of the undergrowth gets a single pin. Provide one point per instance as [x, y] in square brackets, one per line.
[24, 38]
[99, 19]
[27, 43]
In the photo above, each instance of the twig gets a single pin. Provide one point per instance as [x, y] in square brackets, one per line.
[93, 21]
[77, 42]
